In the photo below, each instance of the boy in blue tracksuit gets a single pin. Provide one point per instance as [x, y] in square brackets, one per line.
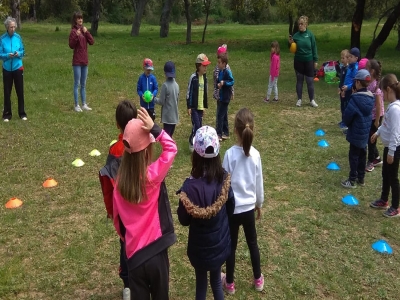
[342, 70]
[224, 84]
[147, 82]
[358, 117]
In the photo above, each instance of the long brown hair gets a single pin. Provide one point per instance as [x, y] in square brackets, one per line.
[275, 45]
[75, 16]
[244, 125]
[211, 168]
[132, 175]
[390, 81]
[376, 66]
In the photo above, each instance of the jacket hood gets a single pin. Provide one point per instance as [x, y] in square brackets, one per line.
[362, 102]
[210, 211]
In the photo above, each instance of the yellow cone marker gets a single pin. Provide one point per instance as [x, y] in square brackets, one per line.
[78, 162]
[113, 142]
[94, 152]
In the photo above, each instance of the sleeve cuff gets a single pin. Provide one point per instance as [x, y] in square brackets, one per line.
[156, 131]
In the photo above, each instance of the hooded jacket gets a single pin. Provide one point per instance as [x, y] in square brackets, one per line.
[358, 117]
[10, 44]
[225, 92]
[147, 83]
[205, 208]
[192, 94]
[79, 44]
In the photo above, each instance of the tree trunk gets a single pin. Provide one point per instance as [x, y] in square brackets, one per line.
[291, 24]
[356, 24]
[207, 4]
[140, 6]
[165, 18]
[15, 12]
[382, 36]
[95, 17]
[188, 22]
[398, 38]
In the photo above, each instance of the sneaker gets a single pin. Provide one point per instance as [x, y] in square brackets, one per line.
[85, 107]
[229, 288]
[266, 100]
[259, 283]
[298, 103]
[369, 167]
[348, 184]
[391, 212]
[313, 103]
[191, 148]
[225, 137]
[220, 138]
[24, 118]
[126, 294]
[345, 131]
[275, 100]
[360, 182]
[343, 126]
[6, 120]
[379, 204]
[78, 108]
[377, 161]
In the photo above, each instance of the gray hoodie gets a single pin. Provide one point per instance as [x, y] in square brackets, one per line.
[169, 101]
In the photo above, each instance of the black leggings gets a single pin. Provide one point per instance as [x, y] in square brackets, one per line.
[373, 152]
[390, 177]
[215, 283]
[304, 69]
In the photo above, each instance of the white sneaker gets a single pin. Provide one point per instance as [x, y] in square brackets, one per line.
[6, 120]
[313, 103]
[78, 108]
[24, 118]
[126, 294]
[85, 107]
[298, 104]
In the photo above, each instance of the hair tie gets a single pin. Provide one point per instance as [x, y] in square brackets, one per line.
[247, 125]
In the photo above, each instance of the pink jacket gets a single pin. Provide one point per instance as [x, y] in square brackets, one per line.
[149, 222]
[275, 65]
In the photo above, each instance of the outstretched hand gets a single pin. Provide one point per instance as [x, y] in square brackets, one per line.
[144, 116]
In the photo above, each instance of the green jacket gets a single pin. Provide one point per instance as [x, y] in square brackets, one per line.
[306, 46]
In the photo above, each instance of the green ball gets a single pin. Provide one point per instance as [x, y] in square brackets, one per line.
[147, 96]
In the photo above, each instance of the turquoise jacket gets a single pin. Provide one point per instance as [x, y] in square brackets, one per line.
[11, 44]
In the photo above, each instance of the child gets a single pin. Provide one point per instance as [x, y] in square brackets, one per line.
[206, 201]
[357, 117]
[275, 64]
[362, 64]
[374, 67]
[125, 112]
[225, 83]
[223, 50]
[243, 162]
[346, 90]
[196, 95]
[147, 82]
[342, 74]
[142, 214]
[169, 99]
[389, 132]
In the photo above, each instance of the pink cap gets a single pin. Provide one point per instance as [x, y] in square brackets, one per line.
[135, 138]
[362, 64]
[222, 49]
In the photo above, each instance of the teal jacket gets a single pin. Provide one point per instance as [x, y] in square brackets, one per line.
[11, 44]
[306, 46]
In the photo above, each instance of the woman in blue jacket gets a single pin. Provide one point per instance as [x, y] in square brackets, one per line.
[11, 52]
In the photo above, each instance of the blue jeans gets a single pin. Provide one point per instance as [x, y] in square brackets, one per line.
[215, 282]
[80, 76]
[197, 122]
[222, 119]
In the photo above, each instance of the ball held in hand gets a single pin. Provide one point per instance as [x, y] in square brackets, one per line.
[147, 96]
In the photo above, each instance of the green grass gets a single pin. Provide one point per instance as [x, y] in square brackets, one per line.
[59, 244]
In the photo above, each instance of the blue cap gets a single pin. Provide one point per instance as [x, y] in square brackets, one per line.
[363, 74]
[169, 69]
[355, 51]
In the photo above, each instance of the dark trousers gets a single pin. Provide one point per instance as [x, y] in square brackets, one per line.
[197, 122]
[343, 105]
[247, 220]
[222, 119]
[304, 70]
[390, 177]
[169, 128]
[17, 78]
[151, 113]
[151, 279]
[357, 161]
[123, 265]
[373, 152]
[215, 282]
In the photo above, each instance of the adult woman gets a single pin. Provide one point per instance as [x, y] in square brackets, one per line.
[78, 40]
[305, 60]
[11, 52]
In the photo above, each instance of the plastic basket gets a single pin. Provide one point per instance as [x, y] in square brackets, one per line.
[330, 77]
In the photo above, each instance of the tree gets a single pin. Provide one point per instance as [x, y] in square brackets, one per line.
[382, 36]
[16, 12]
[95, 17]
[356, 24]
[140, 5]
[165, 18]
[188, 22]
[207, 4]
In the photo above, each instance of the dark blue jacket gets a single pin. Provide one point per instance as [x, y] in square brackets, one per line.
[205, 208]
[192, 94]
[358, 117]
[147, 83]
[225, 92]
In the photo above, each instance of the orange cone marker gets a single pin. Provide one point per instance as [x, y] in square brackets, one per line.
[13, 203]
[50, 183]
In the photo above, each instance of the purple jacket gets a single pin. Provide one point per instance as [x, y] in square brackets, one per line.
[79, 44]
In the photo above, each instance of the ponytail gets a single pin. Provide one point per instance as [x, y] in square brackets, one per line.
[244, 125]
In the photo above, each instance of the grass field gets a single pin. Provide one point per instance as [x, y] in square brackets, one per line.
[59, 244]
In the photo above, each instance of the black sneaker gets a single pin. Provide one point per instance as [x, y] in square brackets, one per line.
[349, 184]
[360, 182]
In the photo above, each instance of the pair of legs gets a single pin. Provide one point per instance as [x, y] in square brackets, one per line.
[390, 178]
[215, 283]
[273, 87]
[304, 70]
[373, 152]
[357, 161]
[151, 113]
[17, 78]
[80, 76]
[222, 119]
[169, 128]
[247, 220]
[197, 121]
[123, 265]
[151, 279]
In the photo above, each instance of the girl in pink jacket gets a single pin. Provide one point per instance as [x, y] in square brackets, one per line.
[275, 65]
[141, 209]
